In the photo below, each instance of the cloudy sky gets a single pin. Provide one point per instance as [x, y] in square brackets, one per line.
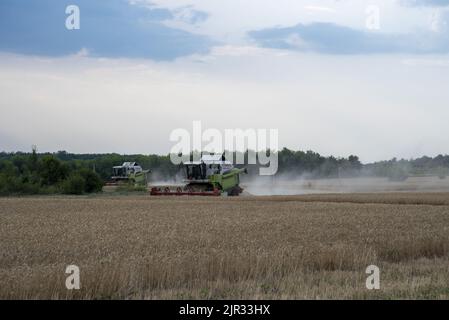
[335, 76]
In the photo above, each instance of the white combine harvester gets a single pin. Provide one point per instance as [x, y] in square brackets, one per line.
[128, 172]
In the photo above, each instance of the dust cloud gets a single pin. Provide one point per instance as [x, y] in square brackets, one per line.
[296, 185]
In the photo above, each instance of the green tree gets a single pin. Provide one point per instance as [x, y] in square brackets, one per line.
[75, 184]
[52, 171]
[93, 182]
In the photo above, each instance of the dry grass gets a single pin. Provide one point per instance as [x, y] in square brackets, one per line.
[251, 247]
[429, 198]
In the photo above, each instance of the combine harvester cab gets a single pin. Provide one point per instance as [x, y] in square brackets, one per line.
[211, 176]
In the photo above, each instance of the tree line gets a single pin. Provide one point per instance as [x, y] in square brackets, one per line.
[32, 173]
[68, 173]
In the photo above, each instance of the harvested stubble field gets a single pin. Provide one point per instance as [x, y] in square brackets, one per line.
[284, 247]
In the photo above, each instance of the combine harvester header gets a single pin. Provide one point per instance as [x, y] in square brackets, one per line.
[213, 175]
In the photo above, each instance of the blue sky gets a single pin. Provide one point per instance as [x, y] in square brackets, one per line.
[335, 39]
[112, 28]
[434, 3]
[141, 29]
[311, 69]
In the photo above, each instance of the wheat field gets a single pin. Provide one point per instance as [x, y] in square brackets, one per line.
[272, 247]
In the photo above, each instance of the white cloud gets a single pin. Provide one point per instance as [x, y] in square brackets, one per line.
[82, 53]
[334, 105]
[318, 8]
[377, 106]
[427, 62]
[238, 51]
[230, 20]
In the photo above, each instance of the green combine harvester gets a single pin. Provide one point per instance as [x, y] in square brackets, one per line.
[213, 175]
